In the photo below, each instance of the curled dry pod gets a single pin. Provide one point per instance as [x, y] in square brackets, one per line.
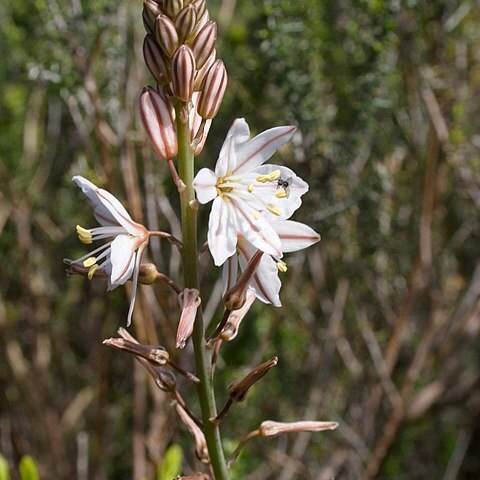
[166, 35]
[155, 60]
[204, 43]
[156, 115]
[185, 22]
[183, 73]
[212, 93]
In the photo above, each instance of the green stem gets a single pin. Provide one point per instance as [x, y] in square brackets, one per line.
[190, 271]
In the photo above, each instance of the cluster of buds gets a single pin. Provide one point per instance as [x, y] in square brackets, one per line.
[179, 50]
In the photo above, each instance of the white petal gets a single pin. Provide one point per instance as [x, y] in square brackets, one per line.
[136, 271]
[295, 235]
[260, 148]
[265, 282]
[103, 216]
[122, 258]
[227, 160]
[118, 211]
[222, 231]
[204, 184]
[256, 228]
[229, 273]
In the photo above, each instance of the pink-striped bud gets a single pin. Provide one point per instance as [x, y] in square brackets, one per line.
[202, 73]
[172, 7]
[156, 115]
[166, 35]
[185, 22]
[200, 7]
[151, 10]
[183, 73]
[155, 60]
[204, 43]
[212, 94]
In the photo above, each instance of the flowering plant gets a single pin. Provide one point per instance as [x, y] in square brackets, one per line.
[249, 222]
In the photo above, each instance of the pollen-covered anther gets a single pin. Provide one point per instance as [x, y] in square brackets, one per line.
[250, 188]
[84, 235]
[269, 177]
[89, 262]
[274, 209]
[281, 193]
[282, 266]
[92, 270]
[255, 214]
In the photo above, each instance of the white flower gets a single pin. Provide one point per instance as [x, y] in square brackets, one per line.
[242, 189]
[265, 282]
[119, 258]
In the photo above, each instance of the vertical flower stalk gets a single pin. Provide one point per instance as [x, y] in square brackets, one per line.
[179, 51]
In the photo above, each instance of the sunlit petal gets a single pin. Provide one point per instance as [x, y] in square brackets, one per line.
[222, 231]
[229, 273]
[256, 228]
[260, 148]
[122, 258]
[204, 184]
[295, 235]
[265, 283]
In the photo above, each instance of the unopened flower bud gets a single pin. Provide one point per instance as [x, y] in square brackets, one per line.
[269, 428]
[212, 94]
[166, 35]
[172, 7]
[148, 273]
[200, 7]
[155, 60]
[189, 301]
[183, 73]
[185, 22]
[151, 10]
[204, 43]
[238, 389]
[202, 73]
[156, 115]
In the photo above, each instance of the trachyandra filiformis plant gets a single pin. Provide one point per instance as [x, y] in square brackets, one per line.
[249, 223]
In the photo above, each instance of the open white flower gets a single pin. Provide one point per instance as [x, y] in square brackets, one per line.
[242, 189]
[265, 282]
[119, 258]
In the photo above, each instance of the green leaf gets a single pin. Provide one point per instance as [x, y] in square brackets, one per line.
[28, 468]
[171, 465]
[4, 471]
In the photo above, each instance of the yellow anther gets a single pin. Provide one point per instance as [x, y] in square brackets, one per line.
[84, 235]
[91, 271]
[274, 209]
[282, 266]
[255, 214]
[89, 262]
[269, 177]
[275, 175]
[250, 188]
[281, 193]
[263, 178]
